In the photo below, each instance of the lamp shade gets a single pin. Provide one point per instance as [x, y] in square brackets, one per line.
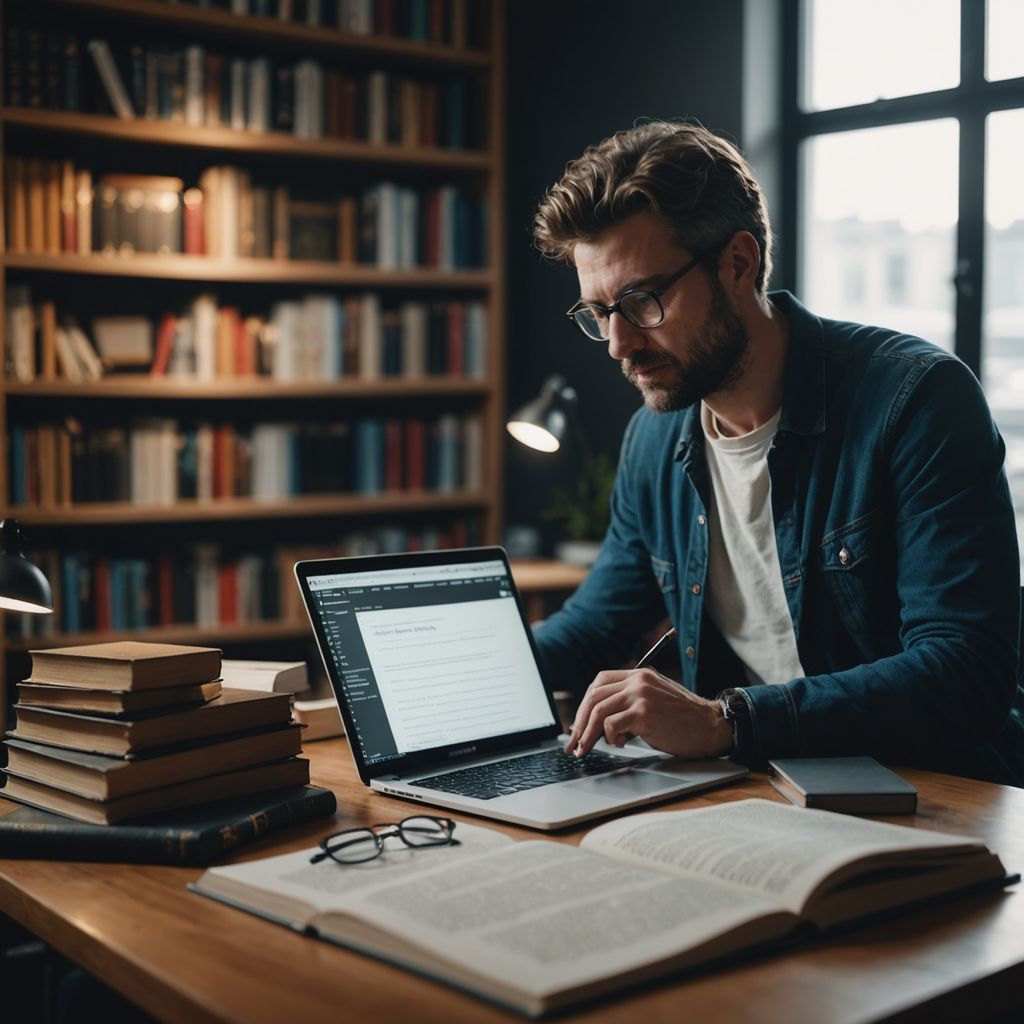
[543, 423]
[23, 587]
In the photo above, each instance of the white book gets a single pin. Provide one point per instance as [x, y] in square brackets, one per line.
[408, 228]
[370, 336]
[99, 49]
[84, 353]
[66, 360]
[387, 226]
[320, 718]
[448, 469]
[206, 586]
[285, 318]
[229, 218]
[413, 317]
[540, 925]
[183, 348]
[204, 338]
[194, 91]
[266, 676]
[20, 333]
[258, 100]
[239, 75]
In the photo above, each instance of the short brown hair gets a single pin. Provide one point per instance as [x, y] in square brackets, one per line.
[697, 182]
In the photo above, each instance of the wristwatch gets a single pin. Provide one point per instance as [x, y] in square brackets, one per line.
[736, 712]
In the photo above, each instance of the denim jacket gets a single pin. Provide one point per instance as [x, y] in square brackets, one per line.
[897, 546]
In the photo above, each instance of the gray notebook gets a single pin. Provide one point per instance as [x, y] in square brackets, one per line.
[854, 785]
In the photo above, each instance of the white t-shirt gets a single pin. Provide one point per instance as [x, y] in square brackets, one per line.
[745, 596]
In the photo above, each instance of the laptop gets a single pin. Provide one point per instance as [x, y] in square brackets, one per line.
[438, 682]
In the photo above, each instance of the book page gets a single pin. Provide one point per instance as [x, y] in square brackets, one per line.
[535, 917]
[774, 850]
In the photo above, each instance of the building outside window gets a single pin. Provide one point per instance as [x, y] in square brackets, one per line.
[904, 171]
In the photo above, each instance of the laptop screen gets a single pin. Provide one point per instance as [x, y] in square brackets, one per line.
[426, 656]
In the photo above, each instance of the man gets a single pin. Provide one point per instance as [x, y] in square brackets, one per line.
[819, 506]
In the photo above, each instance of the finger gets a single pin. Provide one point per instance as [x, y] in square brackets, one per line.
[617, 727]
[591, 732]
[603, 684]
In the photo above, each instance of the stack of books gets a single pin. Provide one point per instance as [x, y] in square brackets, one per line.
[110, 732]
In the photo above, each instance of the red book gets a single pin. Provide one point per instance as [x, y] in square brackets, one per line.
[101, 595]
[164, 591]
[192, 223]
[393, 455]
[415, 454]
[245, 348]
[456, 339]
[227, 593]
[459, 535]
[223, 477]
[164, 344]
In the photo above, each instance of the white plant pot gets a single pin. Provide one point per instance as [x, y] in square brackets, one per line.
[578, 552]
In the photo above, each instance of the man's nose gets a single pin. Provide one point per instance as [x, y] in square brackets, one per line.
[623, 337]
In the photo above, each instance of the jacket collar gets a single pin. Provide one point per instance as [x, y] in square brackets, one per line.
[803, 389]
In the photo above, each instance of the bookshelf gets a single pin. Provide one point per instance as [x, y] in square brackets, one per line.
[438, 68]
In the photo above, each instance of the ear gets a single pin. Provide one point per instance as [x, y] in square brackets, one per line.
[739, 264]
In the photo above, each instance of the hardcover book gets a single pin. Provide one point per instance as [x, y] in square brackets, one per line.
[189, 836]
[854, 785]
[113, 702]
[232, 711]
[99, 777]
[126, 665]
[542, 925]
[255, 779]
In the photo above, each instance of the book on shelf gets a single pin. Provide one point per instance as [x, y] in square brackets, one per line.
[853, 785]
[124, 342]
[542, 925]
[293, 771]
[113, 702]
[319, 718]
[230, 711]
[102, 777]
[188, 836]
[110, 76]
[126, 665]
[268, 676]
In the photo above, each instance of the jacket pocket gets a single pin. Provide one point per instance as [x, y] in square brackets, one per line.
[856, 562]
[664, 573]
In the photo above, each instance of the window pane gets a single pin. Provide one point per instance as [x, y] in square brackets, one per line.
[1002, 366]
[878, 225]
[1005, 31]
[859, 51]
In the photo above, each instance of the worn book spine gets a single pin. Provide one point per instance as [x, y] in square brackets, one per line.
[58, 838]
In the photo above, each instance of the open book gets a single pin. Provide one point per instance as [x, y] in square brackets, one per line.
[539, 925]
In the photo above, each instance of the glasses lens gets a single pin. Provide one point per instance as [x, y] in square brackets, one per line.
[352, 847]
[423, 831]
[641, 309]
[592, 322]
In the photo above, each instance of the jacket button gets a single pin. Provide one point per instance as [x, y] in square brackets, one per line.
[844, 556]
[690, 652]
[701, 520]
[695, 589]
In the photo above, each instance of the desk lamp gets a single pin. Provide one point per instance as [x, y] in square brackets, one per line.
[544, 422]
[23, 587]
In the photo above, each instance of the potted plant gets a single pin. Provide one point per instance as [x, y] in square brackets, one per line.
[583, 511]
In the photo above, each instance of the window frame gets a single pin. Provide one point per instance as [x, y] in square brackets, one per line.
[970, 103]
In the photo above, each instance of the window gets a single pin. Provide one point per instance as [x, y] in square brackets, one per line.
[903, 157]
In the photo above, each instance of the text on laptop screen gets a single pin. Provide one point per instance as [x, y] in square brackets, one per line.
[430, 656]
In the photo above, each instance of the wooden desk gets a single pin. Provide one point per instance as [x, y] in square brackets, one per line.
[185, 958]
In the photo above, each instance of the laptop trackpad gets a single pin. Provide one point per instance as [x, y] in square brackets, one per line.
[625, 785]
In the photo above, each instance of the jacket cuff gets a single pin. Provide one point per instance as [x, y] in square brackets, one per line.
[769, 729]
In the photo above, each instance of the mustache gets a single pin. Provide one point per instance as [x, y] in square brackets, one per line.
[644, 360]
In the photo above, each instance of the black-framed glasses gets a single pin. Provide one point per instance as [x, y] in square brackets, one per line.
[640, 307]
[356, 845]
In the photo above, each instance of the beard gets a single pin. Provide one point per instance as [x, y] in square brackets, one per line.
[714, 363]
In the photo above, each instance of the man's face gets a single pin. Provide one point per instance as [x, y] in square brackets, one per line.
[699, 348]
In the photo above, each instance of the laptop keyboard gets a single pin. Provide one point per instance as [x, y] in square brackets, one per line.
[500, 778]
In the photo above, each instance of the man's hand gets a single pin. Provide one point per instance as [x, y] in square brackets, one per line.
[649, 705]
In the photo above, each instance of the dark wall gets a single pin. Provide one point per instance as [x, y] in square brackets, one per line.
[579, 70]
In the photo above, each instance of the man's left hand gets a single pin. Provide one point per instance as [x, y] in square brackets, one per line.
[644, 703]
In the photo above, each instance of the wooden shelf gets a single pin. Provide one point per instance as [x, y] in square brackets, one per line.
[177, 267]
[274, 31]
[186, 388]
[246, 632]
[228, 140]
[302, 506]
